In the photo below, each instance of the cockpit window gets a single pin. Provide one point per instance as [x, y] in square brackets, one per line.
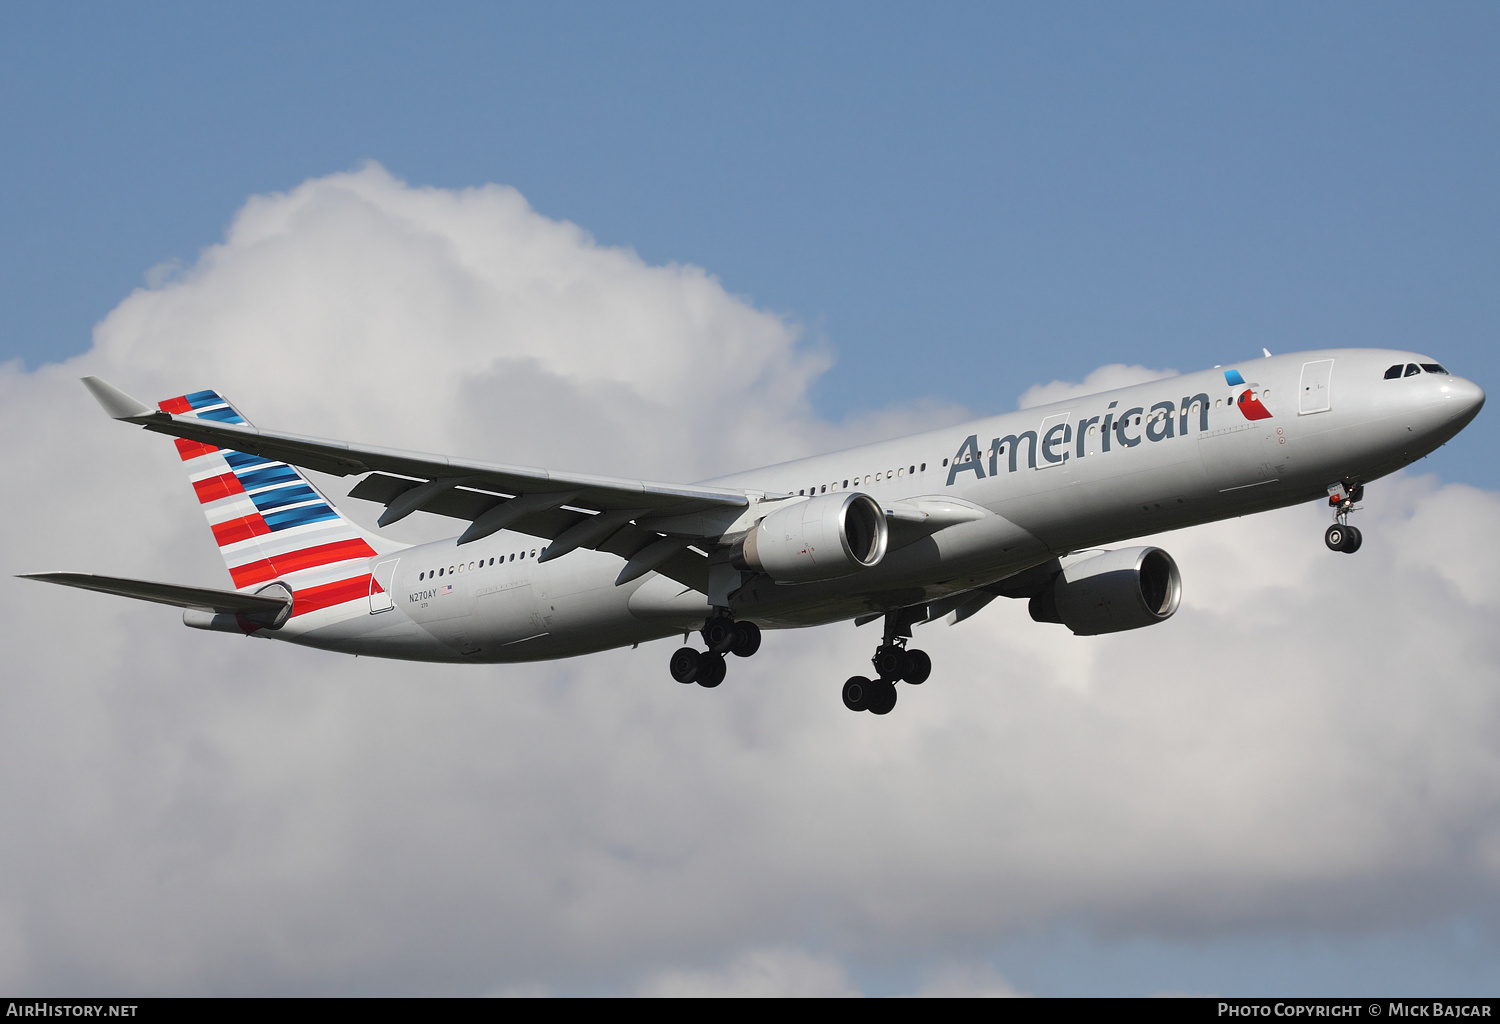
[1393, 372]
[1434, 368]
[1412, 369]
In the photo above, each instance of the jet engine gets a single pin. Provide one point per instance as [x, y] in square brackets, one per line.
[823, 538]
[1111, 591]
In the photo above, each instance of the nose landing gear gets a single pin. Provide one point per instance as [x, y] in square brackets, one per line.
[893, 662]
[723, 636]
[1341, 536]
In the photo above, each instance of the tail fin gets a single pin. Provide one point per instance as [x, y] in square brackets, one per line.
[271, 523]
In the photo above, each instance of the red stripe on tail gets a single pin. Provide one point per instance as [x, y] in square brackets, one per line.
[175, 405]
[216, 487]
[192, 449]
[251, 573]
[235, 530]
[329, 594]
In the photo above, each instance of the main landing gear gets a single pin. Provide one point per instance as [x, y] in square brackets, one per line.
[893, 662]
[723, 636]
[1341, 536]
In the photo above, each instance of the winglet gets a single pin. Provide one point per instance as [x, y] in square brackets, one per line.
[116, 402]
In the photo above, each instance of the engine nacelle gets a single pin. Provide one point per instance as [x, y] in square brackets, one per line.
[1112, 591]
[822, 538]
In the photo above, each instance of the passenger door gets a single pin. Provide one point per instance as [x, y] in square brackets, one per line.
[1316, 393]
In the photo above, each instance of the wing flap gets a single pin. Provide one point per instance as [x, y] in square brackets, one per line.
[690, 568]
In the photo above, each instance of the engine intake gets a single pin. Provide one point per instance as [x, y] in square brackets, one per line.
[1113, 591]
[822, 538]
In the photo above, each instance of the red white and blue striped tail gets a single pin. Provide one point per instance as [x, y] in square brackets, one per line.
[271, 523]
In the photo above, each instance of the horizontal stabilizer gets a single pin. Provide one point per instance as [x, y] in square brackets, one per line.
[265, 610]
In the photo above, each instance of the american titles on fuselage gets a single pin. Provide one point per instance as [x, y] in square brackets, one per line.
[1055, 438]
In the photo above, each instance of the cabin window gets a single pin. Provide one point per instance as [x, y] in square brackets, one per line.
[867, 478]
[440, 572]
[1412, 369]
[911, 470]
[945, 462]
[421, 576]
[846, 483]
[924, 467]
[533, 552]
[825, 489]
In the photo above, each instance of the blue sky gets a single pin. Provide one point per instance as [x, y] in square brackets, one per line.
[959, 202]
[956, 202]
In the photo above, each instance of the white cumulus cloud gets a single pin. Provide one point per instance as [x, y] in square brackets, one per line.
[1105, 378]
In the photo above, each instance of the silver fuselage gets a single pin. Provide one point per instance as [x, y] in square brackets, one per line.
[1048, 480]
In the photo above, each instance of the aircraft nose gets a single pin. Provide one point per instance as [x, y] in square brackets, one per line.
[1463, 399]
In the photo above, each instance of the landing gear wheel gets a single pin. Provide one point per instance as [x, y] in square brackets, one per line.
[1353, 540]
[921, 668]
[1336, 536]
[718, 633]
[711, 669]
[892, 662]
[882, 697]
[746, 639]
[856, 693]
[684, 665]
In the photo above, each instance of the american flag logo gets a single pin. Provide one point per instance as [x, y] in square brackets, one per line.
[446, 589]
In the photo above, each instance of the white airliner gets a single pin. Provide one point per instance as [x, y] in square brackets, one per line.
[935, 525]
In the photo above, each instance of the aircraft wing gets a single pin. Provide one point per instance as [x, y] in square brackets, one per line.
[570, 509]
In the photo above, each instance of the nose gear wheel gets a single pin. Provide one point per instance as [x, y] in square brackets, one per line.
[1341, 536]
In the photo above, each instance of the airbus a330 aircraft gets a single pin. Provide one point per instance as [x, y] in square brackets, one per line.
[930, 526]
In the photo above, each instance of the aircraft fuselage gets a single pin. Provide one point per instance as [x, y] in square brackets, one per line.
[1071, 475]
